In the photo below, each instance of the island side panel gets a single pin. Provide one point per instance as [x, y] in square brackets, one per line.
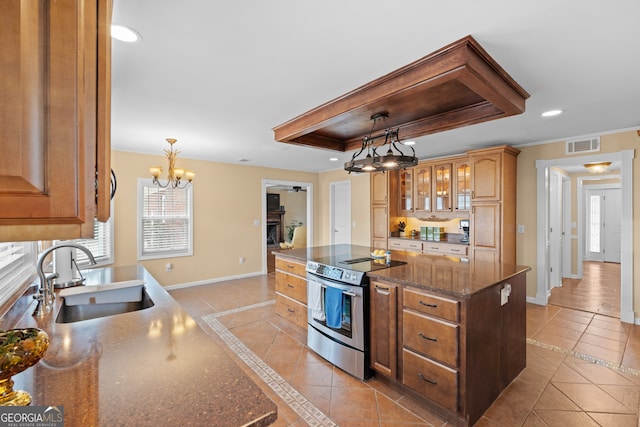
[513, 352]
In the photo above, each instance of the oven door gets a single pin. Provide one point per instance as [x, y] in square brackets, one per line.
[349, 329]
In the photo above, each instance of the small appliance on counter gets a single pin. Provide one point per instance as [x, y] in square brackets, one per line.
[464, 227]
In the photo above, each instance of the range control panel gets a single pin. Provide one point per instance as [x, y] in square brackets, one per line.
[336, 273]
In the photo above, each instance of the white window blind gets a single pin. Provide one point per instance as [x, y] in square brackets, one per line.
[17, 264]
[165, 225]
[101, 246]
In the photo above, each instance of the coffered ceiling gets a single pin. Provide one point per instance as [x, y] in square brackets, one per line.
[219, 76]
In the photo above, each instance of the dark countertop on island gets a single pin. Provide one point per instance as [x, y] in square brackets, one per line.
[150, 367]
[437, 273]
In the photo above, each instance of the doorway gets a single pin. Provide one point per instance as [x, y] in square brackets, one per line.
[623, 161]
[296, 199]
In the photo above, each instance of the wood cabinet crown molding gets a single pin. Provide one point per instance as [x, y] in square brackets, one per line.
[458, 85]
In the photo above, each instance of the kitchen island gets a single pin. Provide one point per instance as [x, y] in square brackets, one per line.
[154, 367]
[448, 331]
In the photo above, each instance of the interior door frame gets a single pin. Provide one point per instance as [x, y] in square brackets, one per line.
[266, 183]
[625, 158]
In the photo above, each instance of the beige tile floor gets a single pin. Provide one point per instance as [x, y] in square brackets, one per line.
[581, 367]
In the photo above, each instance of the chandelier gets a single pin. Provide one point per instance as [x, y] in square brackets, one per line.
[175, 175]
[393, 159]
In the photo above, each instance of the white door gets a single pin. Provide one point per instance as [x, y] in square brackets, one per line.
[340, 217]
[611, 224]
[594, 221]
[603, 225]
[555, 230]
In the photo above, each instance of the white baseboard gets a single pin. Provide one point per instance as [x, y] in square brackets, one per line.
[210, 281]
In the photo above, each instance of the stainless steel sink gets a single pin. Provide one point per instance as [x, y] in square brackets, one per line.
[77, 313]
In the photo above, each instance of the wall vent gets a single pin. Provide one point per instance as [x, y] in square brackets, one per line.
[586, 145]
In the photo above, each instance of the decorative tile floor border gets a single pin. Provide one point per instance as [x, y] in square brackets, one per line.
[583, 356]
[292, 397]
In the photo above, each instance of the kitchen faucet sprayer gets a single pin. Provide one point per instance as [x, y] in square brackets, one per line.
[45, 294]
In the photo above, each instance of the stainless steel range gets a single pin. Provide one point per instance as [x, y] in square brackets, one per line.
[338, 310]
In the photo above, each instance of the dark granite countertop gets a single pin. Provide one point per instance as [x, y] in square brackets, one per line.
[442, 274]
[150, 367]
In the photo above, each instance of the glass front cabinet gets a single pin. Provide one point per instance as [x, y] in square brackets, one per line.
[405, 182]
[442, 187]
[422, 186]
[462, 170]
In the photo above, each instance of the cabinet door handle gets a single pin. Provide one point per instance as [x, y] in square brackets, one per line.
[425, 379]
[423, 336]
[427, 304]
[289, 285]
[382, 290]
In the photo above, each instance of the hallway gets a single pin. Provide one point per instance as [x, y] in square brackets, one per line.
[598, 291]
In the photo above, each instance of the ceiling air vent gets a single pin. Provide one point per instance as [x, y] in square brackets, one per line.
[586, 145]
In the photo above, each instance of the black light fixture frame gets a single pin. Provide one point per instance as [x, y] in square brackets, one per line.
[393, 159]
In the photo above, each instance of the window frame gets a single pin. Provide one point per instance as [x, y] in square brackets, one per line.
[142, 256]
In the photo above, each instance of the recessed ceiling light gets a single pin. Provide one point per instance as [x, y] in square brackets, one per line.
[333, 159]
[551, 113]
[125, 34]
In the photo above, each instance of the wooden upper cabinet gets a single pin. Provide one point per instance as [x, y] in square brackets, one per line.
[422, 186]
[462, 185]
[486, 179]
[442, 187]
[379, 188]
[54, 118]
[405, 191]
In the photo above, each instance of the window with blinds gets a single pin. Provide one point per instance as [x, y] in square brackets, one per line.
[101, 246]
[17, 265]
[165, 221]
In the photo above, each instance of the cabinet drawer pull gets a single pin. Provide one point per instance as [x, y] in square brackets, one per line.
[427, 304]
[383, 290]
[289, 285]
[423, 378]
[290, 310]
[423, 336]
[290, 266]
[455, 250]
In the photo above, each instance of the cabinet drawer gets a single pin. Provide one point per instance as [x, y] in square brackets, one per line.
[292, 267]
[460, 250]
[431, 379]
[431, 337]
[435, 247]
[292, 286]
[432, 305]
[405, 245]
[292, 310]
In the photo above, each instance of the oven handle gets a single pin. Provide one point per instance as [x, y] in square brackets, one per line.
[351, 294]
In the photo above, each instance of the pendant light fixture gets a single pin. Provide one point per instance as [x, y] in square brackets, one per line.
[175, 174]
[599, 167]
[372, 161]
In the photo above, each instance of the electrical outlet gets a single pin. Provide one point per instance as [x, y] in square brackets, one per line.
[168, 266]
[520, 228]
[504, 294]
[242, 260]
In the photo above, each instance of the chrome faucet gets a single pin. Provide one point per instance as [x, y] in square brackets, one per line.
[45, 294]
